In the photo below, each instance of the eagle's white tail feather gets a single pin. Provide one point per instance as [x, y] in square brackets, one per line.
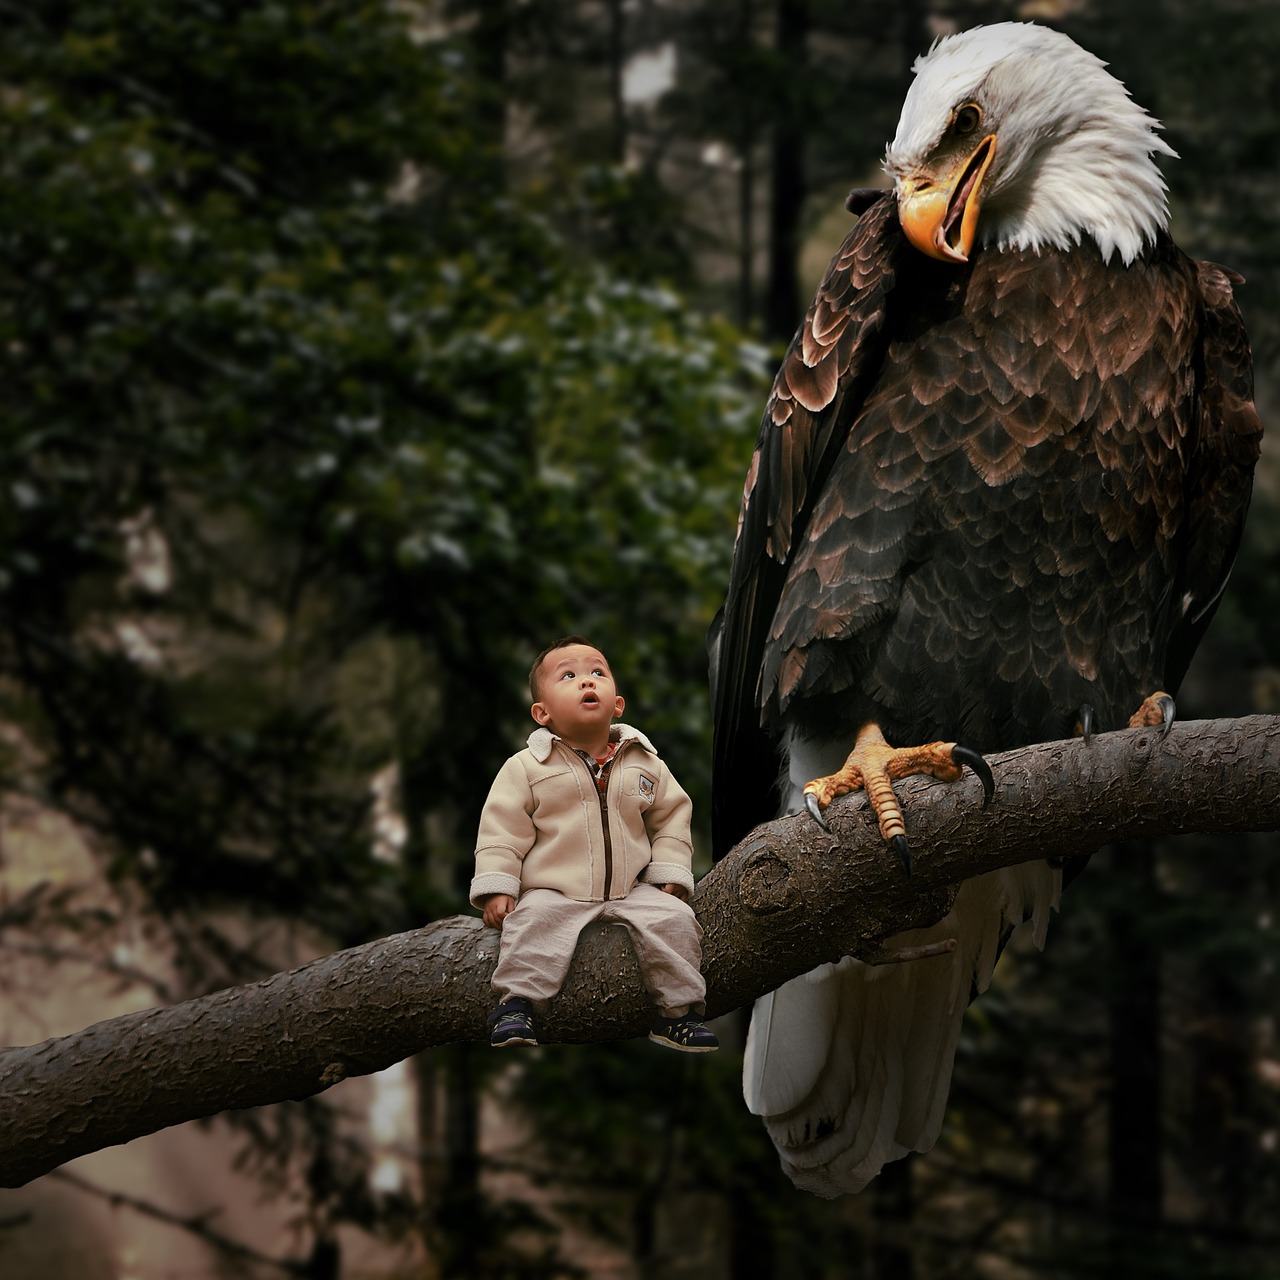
[789, 1042]
[851, 1065]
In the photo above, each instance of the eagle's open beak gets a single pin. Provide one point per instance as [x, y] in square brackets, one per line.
[940, 216]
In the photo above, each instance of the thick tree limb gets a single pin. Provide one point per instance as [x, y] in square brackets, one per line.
[789, 897]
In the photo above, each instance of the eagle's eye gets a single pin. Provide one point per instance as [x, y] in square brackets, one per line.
[967, 119]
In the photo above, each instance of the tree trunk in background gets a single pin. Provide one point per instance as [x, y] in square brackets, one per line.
[464, 1213]
[893, 1209]
[489, 39]
[751, 1244]
[746, 231]
[1135, 1132]
[746, 186]
[448, 1083]
[1225, 1138]
[617, 57]
[461, 1212]
[783, 304]
[432, 1167]
[1226, 1158]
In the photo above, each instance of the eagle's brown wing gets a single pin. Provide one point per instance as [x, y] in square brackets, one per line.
[818, 390]
[1228, 442]
[1000, 540]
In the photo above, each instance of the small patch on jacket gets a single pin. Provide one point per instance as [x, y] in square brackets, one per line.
[647, 785]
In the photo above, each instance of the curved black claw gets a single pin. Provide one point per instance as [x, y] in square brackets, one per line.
[815, 811]
[903, 850]
[1086, 722]
[963, 755]
[1168, 710]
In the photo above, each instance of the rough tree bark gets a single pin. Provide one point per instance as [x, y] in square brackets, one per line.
[789, 897]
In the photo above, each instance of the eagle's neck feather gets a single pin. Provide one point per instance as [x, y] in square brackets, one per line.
[1099, 181]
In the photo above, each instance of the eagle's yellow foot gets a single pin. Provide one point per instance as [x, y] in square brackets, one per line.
[1157, 710]
[873, 765]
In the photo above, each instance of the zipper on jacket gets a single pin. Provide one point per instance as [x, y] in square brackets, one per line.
[600, 777]
[602, 787]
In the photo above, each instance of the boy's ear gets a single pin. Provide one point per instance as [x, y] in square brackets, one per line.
[618, 704]
[540, 713]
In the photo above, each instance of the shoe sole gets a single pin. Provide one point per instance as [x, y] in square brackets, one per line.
[682, 1048]
[506, 1044]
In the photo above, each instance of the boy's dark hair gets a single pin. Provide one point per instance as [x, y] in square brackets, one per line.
[535, 671]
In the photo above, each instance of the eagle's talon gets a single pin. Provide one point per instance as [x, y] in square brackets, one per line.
[902, 848]
[1086, 722]
[814, 810]
[1156, 712]
[966, 756]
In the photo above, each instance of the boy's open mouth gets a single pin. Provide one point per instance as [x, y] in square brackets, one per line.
[590, 700]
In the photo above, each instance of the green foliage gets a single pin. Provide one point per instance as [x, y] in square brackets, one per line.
[261, 286]
[317, 427]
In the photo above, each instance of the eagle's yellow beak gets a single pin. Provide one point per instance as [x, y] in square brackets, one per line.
[940, 215]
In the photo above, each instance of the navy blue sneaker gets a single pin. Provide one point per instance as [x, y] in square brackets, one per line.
[688, 1034]
[512, 1023]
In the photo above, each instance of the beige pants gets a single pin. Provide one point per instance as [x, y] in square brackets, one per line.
[539, 937]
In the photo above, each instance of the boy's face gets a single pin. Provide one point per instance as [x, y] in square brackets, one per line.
[578, 698]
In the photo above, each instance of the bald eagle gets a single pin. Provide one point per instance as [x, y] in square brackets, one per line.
[995, 496]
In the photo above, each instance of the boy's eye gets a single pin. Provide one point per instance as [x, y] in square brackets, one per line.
[568, 675]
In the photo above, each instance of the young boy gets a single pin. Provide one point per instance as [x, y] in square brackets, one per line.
[587, 823]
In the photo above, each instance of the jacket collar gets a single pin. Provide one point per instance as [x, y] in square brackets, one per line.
[541, 740]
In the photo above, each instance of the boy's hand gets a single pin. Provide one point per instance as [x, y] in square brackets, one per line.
[677, 889]
[497, 906]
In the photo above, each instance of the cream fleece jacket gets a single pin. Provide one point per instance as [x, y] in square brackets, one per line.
[544, 825]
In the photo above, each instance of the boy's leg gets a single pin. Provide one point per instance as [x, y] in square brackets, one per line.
[668, 943]
[538, 940]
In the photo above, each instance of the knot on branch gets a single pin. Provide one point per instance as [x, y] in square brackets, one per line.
[765, 884]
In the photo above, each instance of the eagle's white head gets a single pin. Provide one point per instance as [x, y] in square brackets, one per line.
[1012, 135]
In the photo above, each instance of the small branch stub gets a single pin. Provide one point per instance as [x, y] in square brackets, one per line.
[904, 955]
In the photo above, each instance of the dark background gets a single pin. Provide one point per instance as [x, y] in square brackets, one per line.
[352, 351]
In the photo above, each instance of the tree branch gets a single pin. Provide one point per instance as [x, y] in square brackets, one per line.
[196, 1223]
[788, 898]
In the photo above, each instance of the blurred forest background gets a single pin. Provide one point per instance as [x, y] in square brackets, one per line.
[351, 351]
